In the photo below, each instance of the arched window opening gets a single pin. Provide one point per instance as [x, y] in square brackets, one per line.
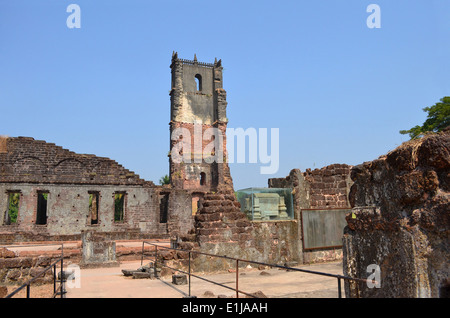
[198, 82]
[202, 178]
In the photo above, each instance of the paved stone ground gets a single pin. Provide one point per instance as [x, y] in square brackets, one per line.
[36, 291]
[274, 283]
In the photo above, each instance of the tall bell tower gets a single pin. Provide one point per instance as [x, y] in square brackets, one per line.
[197, 121]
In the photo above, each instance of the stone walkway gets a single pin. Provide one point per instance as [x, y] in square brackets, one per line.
[274, 283]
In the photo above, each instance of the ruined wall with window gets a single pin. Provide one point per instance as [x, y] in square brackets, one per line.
[47, 192]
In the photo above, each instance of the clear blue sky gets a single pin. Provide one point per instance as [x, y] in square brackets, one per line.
[338, 91]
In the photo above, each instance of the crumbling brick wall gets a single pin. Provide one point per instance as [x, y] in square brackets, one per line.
[36, 161]
[180, 219]
[221, 220]
[329, 186]
[400, 220]
[3, 140]
[19, 264]
[187, 174]
[16, 269]
[222, 229]
[325, 188]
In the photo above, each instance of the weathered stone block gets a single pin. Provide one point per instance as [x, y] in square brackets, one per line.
[167, 254]
[128, 272]
[141, 275]
[11, 262]
[3, 291]
[14, 274]
[5, 253]
[179, 279]
[97, 250]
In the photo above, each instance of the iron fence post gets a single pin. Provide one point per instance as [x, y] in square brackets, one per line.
[28, 291]
[189, 274]
[156, 258]
[62, 277]
[237, 278]
[339, 288]
[142, 256]
[54, 279]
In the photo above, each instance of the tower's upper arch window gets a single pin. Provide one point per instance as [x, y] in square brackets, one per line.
[198, 82]
[202, 178]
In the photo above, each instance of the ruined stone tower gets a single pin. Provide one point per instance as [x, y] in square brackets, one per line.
[198, 122]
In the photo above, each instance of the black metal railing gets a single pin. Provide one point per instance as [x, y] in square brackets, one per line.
[237, 261]
[60, 290]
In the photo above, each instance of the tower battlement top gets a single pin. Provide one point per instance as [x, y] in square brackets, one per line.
[195, 61]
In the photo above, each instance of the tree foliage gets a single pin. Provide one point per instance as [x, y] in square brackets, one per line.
[164, 180]
[437, 120]
[119, 200]
[13, 207]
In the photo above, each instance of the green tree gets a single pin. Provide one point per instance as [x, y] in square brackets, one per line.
[13, 207]
[119, 200]
[438, 118]
[164, 180]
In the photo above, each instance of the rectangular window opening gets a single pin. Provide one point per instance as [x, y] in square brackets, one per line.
[119, 203]
[163, 208]
[93, 207]
[41, 213]
[13, 208]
